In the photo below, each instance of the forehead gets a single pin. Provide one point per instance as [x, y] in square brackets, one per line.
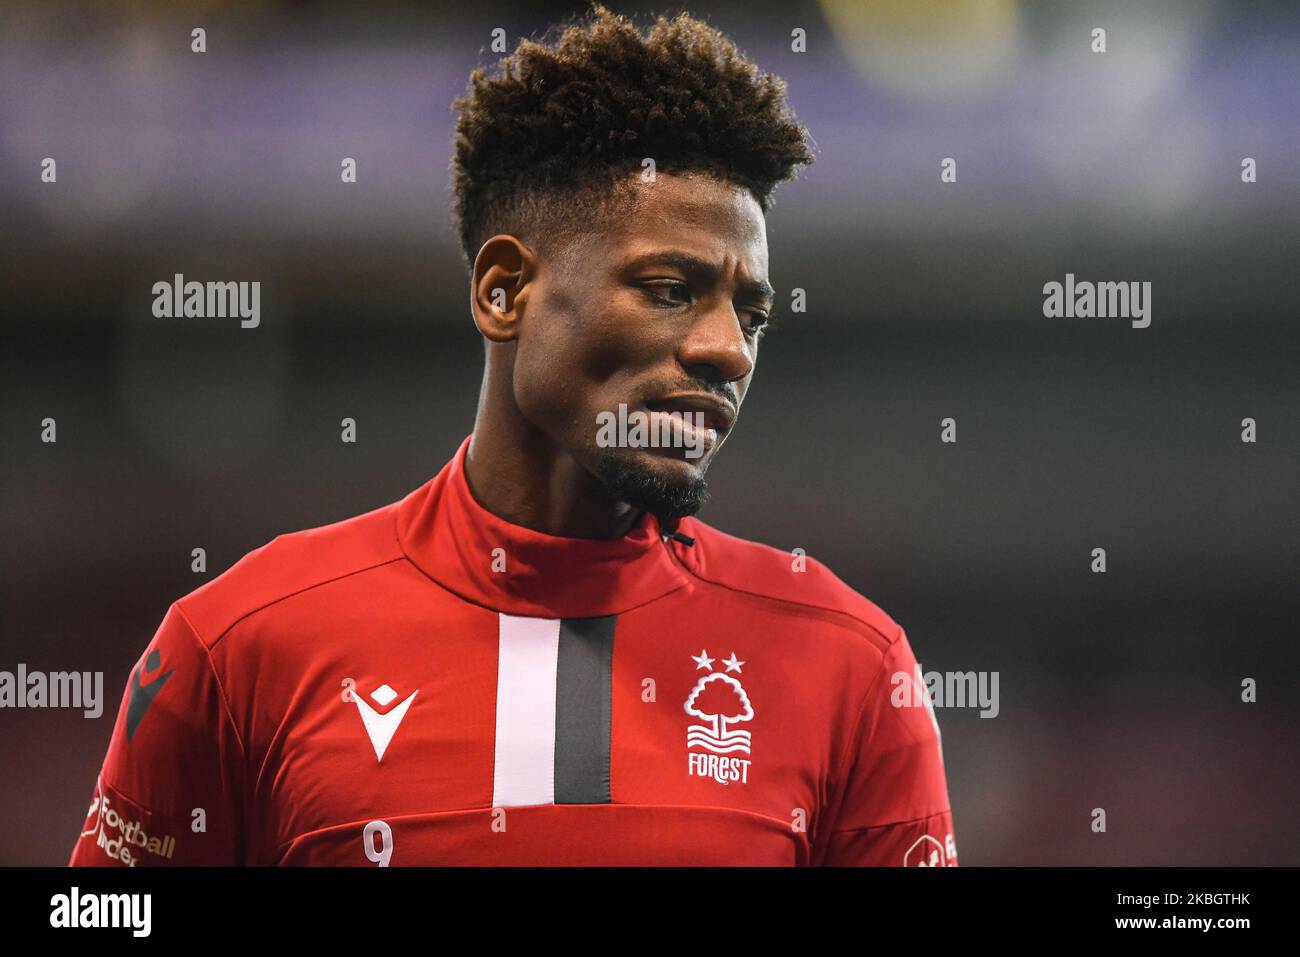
[693, 212]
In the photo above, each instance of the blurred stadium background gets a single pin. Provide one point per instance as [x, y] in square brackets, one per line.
[1119, 691]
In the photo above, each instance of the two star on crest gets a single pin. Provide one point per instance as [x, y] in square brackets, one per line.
[703, 661]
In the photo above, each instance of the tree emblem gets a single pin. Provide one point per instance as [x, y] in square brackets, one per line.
[720, 700]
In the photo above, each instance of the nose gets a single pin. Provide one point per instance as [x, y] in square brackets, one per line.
[716, 342]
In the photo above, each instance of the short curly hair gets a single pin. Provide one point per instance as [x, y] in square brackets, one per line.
[542, 145]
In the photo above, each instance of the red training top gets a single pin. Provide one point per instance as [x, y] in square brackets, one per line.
[429, 684]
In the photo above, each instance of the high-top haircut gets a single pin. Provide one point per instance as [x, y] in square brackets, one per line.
[542, 143]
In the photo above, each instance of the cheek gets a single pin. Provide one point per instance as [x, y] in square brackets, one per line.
[581, 367]
[609, 358]
[627, 340]
[544, 385]
[559, 380]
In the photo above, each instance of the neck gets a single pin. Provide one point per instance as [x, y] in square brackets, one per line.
[518, 473]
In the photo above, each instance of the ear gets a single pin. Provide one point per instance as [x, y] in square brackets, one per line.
[503, 269]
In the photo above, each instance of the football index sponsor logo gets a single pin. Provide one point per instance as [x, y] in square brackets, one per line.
[76, 909]
[380, 728]
[721, 702]
[120, 838]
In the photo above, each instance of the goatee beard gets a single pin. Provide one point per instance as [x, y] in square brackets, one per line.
[645, 489]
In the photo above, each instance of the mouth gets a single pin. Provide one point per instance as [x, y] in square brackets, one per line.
[715, 413]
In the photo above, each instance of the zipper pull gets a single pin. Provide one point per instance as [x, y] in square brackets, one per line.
[668, 529]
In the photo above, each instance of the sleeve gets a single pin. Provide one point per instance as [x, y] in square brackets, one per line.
[169, 788]
[893, 807]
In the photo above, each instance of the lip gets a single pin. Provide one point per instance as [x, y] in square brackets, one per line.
[718, 414]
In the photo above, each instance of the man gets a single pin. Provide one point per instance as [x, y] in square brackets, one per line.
[539, 656]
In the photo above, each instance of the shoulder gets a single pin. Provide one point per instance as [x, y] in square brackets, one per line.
[288, 565]
[790, 582]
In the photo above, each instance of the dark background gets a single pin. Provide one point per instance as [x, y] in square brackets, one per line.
[1119, 691]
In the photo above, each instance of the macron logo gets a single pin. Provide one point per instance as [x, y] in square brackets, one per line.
[380, 728]
[142, 695]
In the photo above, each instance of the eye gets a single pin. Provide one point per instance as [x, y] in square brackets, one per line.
[757, 321]
[663, 290]
[673, 292]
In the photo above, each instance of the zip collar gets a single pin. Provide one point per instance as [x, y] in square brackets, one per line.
[486, 560]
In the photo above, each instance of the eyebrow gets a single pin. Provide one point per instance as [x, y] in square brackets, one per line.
[700, 269]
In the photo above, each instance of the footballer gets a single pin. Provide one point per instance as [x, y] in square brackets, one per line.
[540, 656]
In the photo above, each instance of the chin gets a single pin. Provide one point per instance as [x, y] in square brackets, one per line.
[661, 481]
